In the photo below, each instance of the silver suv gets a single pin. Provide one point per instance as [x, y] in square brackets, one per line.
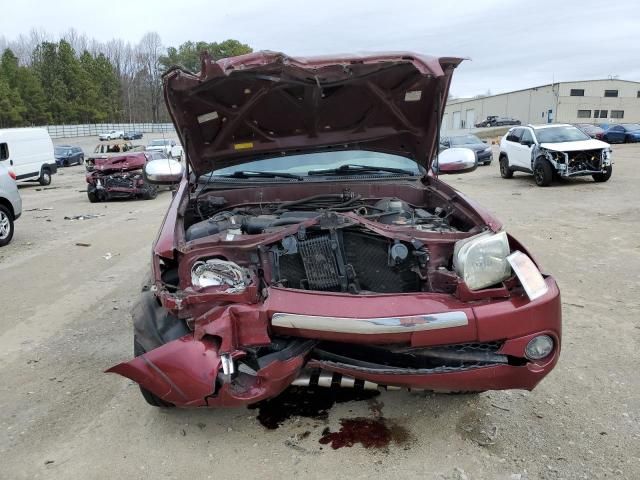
[10, 204]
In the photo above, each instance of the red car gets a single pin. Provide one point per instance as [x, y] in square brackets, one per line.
[310, 242]
[118, 176]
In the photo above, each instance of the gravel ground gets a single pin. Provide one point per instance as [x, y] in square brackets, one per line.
[65, 320]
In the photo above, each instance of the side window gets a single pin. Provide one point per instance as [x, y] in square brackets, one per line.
[515, 135]
[526, 137]
[611, 93]
[4, 151]
[617, 128]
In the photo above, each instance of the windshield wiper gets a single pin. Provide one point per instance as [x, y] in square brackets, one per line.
[255, 174]
[348, 168]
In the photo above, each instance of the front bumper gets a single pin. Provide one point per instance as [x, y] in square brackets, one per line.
[194, 369]
[484, 157]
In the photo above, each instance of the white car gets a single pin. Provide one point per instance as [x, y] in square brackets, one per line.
[166, 146]
[554, 150]
[112, 135]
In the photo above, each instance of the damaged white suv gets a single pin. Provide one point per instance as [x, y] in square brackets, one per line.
[555, 150]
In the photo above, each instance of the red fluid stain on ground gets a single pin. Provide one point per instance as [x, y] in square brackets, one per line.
[306, 402]
[370, 433]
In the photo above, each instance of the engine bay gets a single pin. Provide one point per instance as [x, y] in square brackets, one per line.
[344, 242]
[252, 219]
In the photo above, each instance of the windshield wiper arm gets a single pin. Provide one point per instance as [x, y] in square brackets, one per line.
[255, 174]
[350, 168]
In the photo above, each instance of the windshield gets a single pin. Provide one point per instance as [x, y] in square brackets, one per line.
[159, 143]
[62, 151]
[560, 134]
[465, 140]
[303, 163]
[631, 126]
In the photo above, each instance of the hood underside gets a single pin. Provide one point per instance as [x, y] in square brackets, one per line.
[263, 104]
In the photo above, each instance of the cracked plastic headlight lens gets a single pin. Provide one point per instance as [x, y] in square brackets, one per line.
[481, 261]
[219, 273]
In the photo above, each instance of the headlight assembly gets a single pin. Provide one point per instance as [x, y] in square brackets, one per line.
[481, 261]
[219, 273]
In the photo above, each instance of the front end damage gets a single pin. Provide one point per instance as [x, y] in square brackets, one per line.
[118, 177]
[576, 163]
[270, 294]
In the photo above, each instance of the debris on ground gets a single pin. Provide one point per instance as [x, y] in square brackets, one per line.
[82, 244]
[39, 209]
[86, 216]
[107, 256]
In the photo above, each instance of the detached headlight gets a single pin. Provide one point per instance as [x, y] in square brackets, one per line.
[481, 261]
[219, 273]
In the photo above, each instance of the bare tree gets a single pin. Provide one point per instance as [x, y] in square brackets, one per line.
[150, 49]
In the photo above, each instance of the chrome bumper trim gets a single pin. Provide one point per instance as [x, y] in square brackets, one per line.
[371, 326]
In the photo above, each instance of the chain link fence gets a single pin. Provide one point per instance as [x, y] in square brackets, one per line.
[95, 129]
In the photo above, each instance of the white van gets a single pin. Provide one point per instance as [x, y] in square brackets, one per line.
[28, 152]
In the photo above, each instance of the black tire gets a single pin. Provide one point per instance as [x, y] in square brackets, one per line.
[150, 192]
[505, 171]
[93, 197]
[543, 172]
[80, 160]
[6, 225]
[45, 177]
[150, 398]
[487, 163]
[65, 163]
[603, 177]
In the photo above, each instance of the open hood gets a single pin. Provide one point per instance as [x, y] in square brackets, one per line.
[262, 104]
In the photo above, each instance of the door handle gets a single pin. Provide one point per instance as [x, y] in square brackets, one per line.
[11, 162]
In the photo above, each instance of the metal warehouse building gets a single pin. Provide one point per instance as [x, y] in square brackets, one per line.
[587, 101]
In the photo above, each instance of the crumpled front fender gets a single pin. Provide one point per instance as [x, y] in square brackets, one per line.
[182, 372]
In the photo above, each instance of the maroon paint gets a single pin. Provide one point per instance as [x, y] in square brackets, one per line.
[184, 371]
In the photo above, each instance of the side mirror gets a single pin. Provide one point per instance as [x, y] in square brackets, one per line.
[163, 172]
[526, 143]
[484, 141]
[455, 160]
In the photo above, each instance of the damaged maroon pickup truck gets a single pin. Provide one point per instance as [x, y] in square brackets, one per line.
[311, 242]
[119, 176]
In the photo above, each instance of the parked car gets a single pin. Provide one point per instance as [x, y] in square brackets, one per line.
[592, 130]
[119, 176]
[67, 155]
[332, 256]
[554, 150]
[111, 149]
[479, 147]
[111, 135]
[486, 122]
[168, 146]
[623, 133]
[10, 204]
[132, 135]
[28, 152]
[500, 121]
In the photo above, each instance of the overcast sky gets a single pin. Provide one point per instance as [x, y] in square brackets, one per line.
[511, 44]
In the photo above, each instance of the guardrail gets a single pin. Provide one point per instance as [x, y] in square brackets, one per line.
[95, 129]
